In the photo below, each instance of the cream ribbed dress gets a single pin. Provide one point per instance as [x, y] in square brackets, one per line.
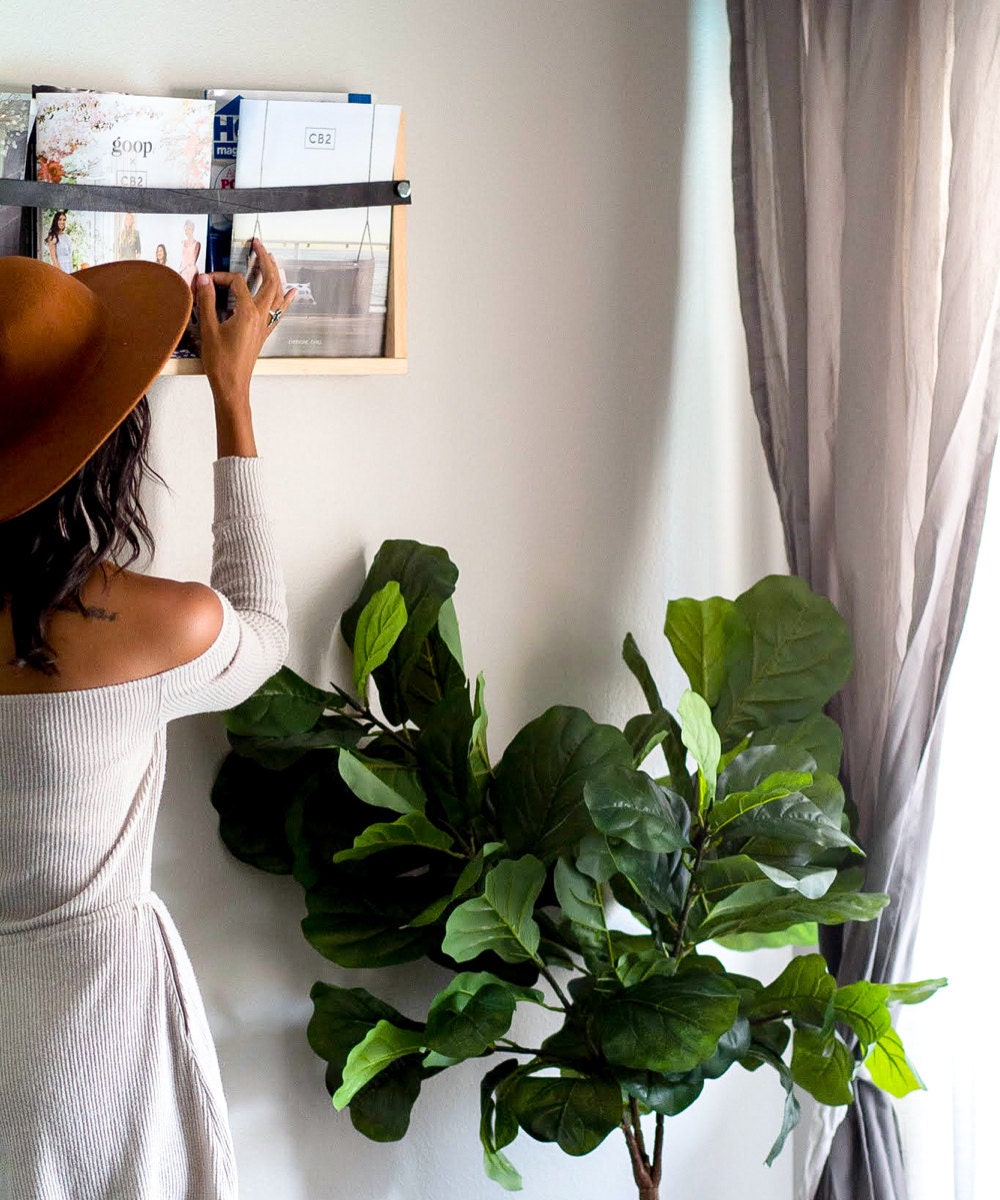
[109, 1082]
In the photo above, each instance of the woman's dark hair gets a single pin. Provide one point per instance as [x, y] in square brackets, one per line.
[54, 227]
[48, 552]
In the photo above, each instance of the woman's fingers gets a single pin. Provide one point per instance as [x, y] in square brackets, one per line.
[207, 316]
[233, 280]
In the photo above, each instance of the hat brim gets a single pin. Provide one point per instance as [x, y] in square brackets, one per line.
[146, 308]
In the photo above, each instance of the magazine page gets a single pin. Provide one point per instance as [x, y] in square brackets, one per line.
[128, 141]
[17, 110]
[226, 136]
[337, 258]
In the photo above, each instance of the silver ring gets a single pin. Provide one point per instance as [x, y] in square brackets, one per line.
[273, 316]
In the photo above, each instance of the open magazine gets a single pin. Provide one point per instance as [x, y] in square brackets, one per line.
[127, 141]
[337, 258]
[17, 113]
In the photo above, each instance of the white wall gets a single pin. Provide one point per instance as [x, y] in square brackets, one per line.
[575, 428]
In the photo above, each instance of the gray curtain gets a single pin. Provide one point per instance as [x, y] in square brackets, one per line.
[866, 172]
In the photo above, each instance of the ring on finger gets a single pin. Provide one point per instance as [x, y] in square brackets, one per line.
[273, 316]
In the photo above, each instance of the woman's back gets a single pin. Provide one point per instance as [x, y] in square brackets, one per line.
[160, 624]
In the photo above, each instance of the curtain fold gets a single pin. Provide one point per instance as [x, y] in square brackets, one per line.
[866, 175]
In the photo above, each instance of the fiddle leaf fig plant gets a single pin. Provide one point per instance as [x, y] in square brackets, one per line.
[571, 875]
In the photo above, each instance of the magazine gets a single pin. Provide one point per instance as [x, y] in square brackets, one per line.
[227, 130]
[337, 258]
[127, 141]
[17, 112]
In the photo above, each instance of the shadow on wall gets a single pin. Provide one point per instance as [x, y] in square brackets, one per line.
[617, 510]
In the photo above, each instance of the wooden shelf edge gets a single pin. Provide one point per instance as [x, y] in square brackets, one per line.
[302, 366]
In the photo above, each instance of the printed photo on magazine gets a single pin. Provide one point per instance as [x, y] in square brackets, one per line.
[126, 141]
[337, 258]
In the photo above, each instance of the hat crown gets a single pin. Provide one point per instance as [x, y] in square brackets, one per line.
[50, 333]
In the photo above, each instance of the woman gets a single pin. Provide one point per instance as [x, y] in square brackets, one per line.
[59, 243]
[109, 1083]
[129, 243]
[161, 254]
[190, 249]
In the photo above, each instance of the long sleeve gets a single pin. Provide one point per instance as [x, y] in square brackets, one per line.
[247, 577]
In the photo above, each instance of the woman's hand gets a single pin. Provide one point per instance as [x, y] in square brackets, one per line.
[230, 348]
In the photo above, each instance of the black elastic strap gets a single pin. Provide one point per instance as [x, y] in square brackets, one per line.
[99, 198]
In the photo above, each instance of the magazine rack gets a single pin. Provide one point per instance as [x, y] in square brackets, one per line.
[393, 361]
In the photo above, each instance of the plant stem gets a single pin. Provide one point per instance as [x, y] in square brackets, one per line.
[691, 893]
[648, 1186]
[506, 1042]
[367, 713]
[563, 998]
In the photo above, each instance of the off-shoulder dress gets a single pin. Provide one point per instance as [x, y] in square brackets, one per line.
[109, 1082]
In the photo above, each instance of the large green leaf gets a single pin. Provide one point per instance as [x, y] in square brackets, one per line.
[738, 804]
[627, 804]
[253, 803]
[577, 1114]
[914, 993]
[447, 623]
[282, 705]
[658, 879]
[811, 882]
[443, 751]
[501, 918]
[658, 1093]
[659, 728]
[799, 655]
[790, 1117]
[381, 783]
[889, 1067]
[381, 1045]
[412, 830]
[764, 908]
[805, 989]
[640, 669]
[823, 1065]
[358, 926]
[705, 636]
[701, 738]
[539, 782]
[667, 1024]
[783, 816]
[277, 753]
[805, 934]
[414, 668]
[582, 902]
[747, 770]
[381, 1109]
[342, 1017]
[498, 1128]
[479, 755]
[380, 623]
[817, 736]
[475, 1009]
[863, 1007]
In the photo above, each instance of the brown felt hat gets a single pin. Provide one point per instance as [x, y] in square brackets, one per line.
[77, 352]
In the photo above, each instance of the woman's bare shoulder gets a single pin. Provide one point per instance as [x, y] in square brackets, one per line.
[183, 618]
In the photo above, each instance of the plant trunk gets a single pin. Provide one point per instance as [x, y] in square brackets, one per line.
[645, 1173]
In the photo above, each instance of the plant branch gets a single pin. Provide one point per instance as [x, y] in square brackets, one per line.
[657, 1170]
[364, 711]
[640, 1171]
[518, 1049]
[633, 1108]
[691, 893]
[563, 998]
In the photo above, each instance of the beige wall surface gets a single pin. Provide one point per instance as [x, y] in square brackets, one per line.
[575, 429]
